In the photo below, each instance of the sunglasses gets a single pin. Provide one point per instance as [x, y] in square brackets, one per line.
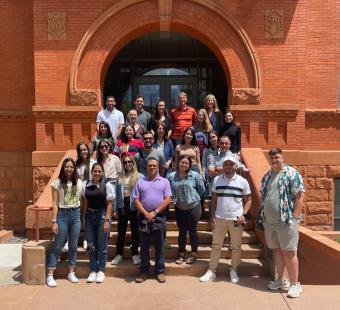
[104, 147]
[146, 138]
[127, 162]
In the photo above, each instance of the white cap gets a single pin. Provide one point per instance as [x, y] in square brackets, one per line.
[230, 158]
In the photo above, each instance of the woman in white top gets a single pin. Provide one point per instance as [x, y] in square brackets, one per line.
[66, 191]
[111, 163]
[84, 161]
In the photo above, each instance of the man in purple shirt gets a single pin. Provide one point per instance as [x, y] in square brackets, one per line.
[152, 195]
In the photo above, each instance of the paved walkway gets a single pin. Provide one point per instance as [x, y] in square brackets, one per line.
[178, 293]
[10, 263]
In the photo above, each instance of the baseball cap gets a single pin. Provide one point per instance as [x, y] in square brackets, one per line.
[230, 158]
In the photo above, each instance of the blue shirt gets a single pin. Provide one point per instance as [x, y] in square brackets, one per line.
[187, 190]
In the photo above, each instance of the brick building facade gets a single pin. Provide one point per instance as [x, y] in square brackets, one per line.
[280, 60]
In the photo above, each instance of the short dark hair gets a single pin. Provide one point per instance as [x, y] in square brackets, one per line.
[139, 96]
[274, 151]
[149, 132]
[110, 96]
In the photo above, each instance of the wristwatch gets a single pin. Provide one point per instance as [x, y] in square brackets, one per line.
[155, 211]
[54, 221]
[107, 220]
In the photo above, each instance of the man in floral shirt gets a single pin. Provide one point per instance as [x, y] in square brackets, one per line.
[282, 193]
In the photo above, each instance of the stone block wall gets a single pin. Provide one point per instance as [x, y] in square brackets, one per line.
[15, 189]
[318, 169]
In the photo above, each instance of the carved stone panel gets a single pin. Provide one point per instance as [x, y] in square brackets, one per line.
[84, 97]
[274, 24]
[56, 26]
[41, 177]
[246, 95]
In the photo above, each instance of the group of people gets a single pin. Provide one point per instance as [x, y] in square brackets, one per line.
[131, 171]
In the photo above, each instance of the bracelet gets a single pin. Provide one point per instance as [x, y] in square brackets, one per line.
[107, 220]
[53, 221]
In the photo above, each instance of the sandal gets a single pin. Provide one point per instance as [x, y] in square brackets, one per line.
[181, 259]
[191, 260]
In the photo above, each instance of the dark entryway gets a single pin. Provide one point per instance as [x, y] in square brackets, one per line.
[159, 65]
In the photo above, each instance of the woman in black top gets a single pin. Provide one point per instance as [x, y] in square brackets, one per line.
[161, 115]
[233, 131]
[98, 198]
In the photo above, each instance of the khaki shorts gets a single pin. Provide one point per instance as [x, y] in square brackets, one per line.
[282, 236]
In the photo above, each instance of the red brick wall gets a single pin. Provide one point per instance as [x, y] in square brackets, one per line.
[299, 72]
[16, 75]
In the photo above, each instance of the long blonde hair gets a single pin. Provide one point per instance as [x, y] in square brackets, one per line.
[134, 174]
[207, 98]
[206, 125]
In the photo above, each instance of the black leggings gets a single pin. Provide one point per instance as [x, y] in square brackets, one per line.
[124, 215]
[187, 221]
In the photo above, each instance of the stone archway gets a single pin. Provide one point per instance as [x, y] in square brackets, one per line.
[123, 22]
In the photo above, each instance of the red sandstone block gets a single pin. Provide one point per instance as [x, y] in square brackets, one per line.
[318, 207]
[316, 171]
[316, 195]
[333, 171]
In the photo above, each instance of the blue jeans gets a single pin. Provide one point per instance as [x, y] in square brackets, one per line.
[96, 239]
[157, 236]
[68, 221]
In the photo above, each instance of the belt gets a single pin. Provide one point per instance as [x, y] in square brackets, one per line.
[95, 210]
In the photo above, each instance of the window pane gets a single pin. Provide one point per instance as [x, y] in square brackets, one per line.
[151, 94]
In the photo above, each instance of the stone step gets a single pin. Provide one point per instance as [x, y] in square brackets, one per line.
[204, 237]
[203, 224]
[248, 267]
[248, 251]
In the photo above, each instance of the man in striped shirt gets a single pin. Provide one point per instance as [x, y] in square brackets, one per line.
[230, 202]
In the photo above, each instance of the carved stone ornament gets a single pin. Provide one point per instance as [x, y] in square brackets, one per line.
[41, 177]
[274, 24]
[246, 95]
[56, 28]
[84, 97]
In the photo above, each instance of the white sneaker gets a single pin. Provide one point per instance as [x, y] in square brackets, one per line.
[100, 277]
[208, 276]
[84, 244]
[92, 277]
[117, 260]
[72, 277]
[65, 248]
[51, 282]
[136, 259]
[278, 284]
[233, 276]
[295, 290]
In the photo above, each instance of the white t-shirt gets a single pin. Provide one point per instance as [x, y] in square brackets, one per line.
[81, 169]
[68, 199]
[230, 194]
[114, 119]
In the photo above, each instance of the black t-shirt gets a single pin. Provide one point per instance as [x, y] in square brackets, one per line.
[95, 196]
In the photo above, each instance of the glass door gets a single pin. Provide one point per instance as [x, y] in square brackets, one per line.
[155, 88]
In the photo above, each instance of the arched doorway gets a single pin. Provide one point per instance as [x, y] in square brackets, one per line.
[159, 65]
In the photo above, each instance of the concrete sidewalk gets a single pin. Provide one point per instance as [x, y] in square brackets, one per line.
[178, 292]
[10, 263]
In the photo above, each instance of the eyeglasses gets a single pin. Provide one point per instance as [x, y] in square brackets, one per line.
[110, 101]
[127, 162]
[104, 147]
[146, 138]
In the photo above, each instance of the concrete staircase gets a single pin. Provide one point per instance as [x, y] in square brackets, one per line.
[253, 261]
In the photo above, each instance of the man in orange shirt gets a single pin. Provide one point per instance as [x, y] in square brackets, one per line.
[182, 117]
